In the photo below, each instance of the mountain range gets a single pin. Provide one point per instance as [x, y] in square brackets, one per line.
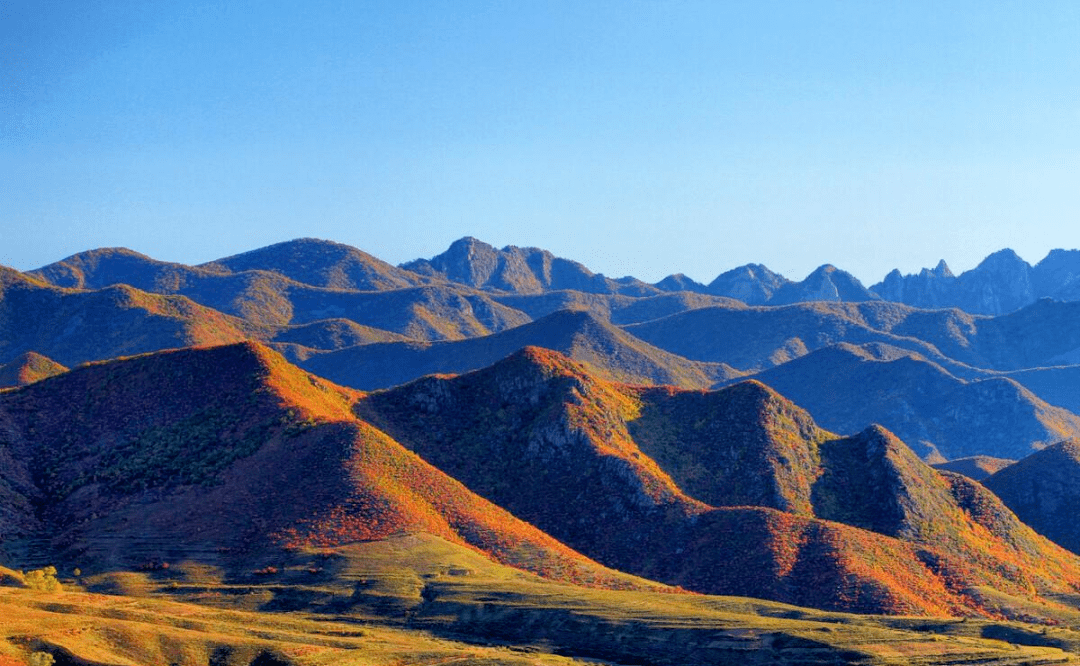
[453, 443]
[232, 457]
[361, 322]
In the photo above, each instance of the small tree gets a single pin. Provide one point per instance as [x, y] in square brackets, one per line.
[43, 580]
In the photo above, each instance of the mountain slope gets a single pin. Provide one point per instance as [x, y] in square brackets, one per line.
[975, 468]
[1056, 385]
[28, 368]
[619, 309]
[826, 283]
[72, 326]
[847, 387]
[1044, 491]
[299, 282]
[657, 481]
[229, 456]
[103, 267]
[752, 284]
[755, 338]
[610, 353]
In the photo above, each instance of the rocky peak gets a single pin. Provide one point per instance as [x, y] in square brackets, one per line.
[826, 283]
[1002, 260]
[753, 284]
[940, 271]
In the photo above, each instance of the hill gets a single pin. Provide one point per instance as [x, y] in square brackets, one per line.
[733, 491]
[231, 457]
[73, 326]
[418, 598]
[975, 468]
[1056, 384]
[1043, 489]
[616, 308]
[321, 263]
[28, 368]
[847, 387]
[609, 352]
[104, 267]
[296, 283]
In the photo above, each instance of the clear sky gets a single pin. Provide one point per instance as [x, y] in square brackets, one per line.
[641, 138]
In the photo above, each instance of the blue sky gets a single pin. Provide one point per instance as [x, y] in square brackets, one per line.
[640, 138]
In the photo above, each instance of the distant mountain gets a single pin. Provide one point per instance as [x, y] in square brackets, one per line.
[679, 282]
[616, 308]
[846, 387]
[1043, 490]
[826, 283]
[519, 270]
[975, 468]
[73, 326]
[314, 299]
[97, 269]
[1001, 283]
[303, 340]
[610, 352]
[733, 491]
[1057, 276]
[752, 284]
[755, 338]
[1046, 333]
[931, 288]
[28, 368]
[298, 283]
[321, 263]
[229, 456]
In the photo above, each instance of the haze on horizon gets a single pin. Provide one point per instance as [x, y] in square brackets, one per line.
[640, 138]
